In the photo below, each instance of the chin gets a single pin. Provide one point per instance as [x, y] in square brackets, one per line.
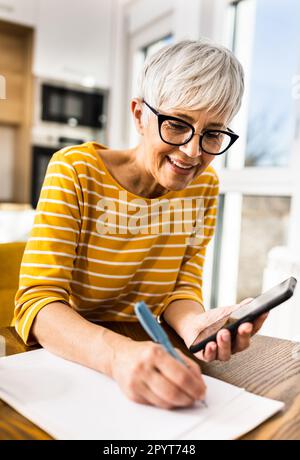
[181, 183]
[176, 185]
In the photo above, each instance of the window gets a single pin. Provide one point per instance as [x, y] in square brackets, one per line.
[275, 59]
[257, 206]
[150, 49]
[265, 221]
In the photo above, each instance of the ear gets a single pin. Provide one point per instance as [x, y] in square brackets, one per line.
[137, 111]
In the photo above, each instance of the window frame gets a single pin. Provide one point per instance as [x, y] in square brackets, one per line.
[237, 180]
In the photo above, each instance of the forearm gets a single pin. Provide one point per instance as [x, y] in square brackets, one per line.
[64, 332]
[180, 314]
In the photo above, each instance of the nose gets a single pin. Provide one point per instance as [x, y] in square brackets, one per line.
[192, 148]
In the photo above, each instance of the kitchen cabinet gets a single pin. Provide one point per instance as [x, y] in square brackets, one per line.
[73, 41]
[20, 11]
[16, 43]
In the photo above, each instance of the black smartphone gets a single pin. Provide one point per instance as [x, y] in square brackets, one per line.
[247, 313]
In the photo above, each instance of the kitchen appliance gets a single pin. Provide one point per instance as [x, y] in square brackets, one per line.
[72, 106]
[65, 114]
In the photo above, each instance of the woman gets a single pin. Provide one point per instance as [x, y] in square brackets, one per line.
[115, 227]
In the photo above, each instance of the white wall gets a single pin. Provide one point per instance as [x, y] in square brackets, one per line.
[73, 38]
[73, 41]
[187, 16]
[21, 11]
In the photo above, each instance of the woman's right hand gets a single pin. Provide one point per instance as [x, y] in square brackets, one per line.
[148, 374]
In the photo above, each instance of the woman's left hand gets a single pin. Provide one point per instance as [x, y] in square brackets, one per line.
[225, 347]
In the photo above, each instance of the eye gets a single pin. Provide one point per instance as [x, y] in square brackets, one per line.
[213, 135]
[176, 126]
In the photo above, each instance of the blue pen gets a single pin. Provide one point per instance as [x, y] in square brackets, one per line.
[156, 332]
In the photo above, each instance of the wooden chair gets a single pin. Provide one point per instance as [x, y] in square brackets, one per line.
[10, 260]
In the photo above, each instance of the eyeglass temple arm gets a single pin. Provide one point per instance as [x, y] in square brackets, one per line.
[151, 108]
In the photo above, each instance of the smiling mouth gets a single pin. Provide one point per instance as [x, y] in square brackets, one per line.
[180, 165]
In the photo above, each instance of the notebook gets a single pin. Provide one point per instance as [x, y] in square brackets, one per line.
[70, 401]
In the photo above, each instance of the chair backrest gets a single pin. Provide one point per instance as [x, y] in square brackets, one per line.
[10, 260]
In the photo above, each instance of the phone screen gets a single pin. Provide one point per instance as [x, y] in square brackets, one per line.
[251, 310]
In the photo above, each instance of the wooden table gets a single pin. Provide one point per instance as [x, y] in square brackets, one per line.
[270, 367]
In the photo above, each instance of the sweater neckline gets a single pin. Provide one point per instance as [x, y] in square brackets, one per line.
[132, 195]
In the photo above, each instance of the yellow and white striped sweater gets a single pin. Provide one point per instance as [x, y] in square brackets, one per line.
[99, 248]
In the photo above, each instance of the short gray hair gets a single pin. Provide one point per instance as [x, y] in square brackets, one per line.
[193, 75]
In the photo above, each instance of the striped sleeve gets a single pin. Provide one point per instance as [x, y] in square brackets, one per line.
[189, 281]
[46, 268]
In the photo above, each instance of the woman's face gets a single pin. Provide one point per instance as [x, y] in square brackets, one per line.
[175, 167]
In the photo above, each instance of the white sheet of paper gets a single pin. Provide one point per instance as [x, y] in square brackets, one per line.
[69, 401]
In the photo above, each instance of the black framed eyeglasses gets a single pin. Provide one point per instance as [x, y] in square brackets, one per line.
[175, 131]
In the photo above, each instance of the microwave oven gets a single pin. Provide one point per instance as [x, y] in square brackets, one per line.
[73, 106]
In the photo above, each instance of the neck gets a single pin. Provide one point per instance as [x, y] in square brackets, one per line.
[142, 181]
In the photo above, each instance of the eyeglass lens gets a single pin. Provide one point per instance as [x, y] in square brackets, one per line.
[176, 132]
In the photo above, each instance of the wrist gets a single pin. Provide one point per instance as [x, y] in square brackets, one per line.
[108, 345]
[181, 314]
